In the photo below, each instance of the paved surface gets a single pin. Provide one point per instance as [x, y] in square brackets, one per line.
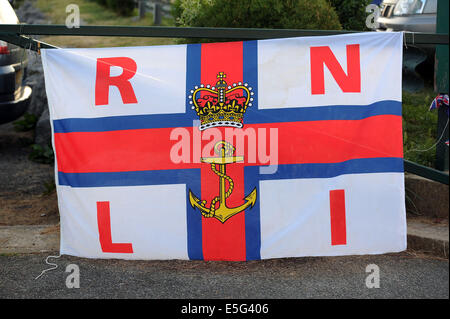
[402, 275]
[29, 238]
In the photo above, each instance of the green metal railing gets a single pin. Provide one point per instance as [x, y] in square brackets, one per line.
[427, 172]
[15, 33]
[19, 35]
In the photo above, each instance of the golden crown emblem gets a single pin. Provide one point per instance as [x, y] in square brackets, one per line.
[221, 105]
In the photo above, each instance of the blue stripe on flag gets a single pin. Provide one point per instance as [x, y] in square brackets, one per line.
[135, 178]
[329, 170]
[193, 73]
[117, 123]
[250, 69]
[252, 116]
[323, 113]
[186, 176]
[252, 216]
[194, 218]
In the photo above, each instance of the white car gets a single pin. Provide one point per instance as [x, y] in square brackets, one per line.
[408, 15]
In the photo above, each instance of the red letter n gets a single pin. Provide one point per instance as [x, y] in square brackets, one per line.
[104, 230]
[350, 82]
[104, 80]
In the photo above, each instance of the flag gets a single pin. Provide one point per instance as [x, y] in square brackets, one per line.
[441, 99]
[230, 151]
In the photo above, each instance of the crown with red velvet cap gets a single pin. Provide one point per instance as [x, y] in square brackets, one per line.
[222, 104]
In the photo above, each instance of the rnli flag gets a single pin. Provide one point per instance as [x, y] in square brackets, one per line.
[230, 151]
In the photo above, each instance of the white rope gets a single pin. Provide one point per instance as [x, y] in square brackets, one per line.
[440, 138]
[51, 264]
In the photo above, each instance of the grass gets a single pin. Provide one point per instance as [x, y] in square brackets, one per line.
[92, 13]
[419, 127]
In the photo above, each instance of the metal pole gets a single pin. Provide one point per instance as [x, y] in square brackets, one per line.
[157, 13]
[441, 85]
[141, 8]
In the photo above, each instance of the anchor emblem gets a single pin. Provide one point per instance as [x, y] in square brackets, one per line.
[226, 156]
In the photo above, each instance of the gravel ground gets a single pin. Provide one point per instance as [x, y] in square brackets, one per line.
[17, 173]
[402, 275]
[23, 182]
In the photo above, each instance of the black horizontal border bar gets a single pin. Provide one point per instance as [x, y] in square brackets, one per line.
[197, 32]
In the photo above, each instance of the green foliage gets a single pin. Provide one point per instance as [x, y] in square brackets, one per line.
[121, 7]
[275, 14]
[26, 124]
[352, 13]
[419, 127]
[41, 154]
